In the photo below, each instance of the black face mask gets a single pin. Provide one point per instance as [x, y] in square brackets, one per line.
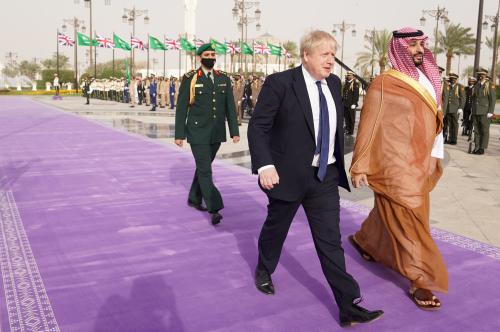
[208, 63]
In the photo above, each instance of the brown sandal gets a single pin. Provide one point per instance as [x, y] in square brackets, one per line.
[425, 295]
[366, 256]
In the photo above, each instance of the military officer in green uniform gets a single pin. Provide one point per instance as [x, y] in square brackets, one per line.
[453, 103]
[205, 102]
[483, 108]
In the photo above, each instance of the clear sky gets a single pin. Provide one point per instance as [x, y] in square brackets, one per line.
[29, 26]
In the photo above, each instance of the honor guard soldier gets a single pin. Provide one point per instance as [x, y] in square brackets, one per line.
[350, 98]
[153, 87]
[483, 108]
[467, 120]
[453, 103]
[205, 102]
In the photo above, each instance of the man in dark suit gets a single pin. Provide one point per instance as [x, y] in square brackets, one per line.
[350, 98]
[205, 102]
[296, 145]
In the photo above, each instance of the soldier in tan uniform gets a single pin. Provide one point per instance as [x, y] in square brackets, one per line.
[132, 91]
[238, 94]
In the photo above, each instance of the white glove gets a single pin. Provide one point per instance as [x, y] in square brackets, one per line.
[353, 107]
[460, 111]
[489, 115]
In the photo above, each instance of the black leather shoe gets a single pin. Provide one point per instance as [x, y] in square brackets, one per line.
[216, 218]
[198, 207]
[478, 151]
[263, 281]
[357, 314]
[453, 143]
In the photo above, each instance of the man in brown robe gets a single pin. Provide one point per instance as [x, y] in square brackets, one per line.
[399, 138]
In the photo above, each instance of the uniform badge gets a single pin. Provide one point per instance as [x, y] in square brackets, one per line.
[222, 84]
[199, 85]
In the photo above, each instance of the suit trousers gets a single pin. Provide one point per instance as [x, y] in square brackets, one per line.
[321, 204]
[452, 121]
[481, 131]
[350, 119]
[203, 186]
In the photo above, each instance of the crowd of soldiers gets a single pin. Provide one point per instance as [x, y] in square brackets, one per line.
[163, 91]
[150, 91]
[476, 104]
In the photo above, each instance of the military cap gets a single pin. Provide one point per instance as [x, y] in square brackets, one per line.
[472, 78]
[483, 71]
[203, 48]
[453, 75]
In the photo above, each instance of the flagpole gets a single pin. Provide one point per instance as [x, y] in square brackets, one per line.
[225, 56]
[164, 51]
[267, 58]
[149, 44]
[113, 55]
[179, 61]
[95, 58]
[57, 52]
[76, 56]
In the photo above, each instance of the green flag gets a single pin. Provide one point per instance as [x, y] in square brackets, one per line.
[127, 71]
[155, 44]
[274, 49]
[120, 43]
[218, 47]
[245, 49]
[84, 40]
[186, 45]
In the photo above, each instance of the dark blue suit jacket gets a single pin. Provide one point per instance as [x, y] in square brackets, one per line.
[281, 132]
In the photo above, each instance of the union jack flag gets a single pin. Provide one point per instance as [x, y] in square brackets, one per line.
[104, 42]
[231, 48]
[137, 43]
[285, 52]
[260, 48]
[65, 40]
[198, 42]
[172, 44]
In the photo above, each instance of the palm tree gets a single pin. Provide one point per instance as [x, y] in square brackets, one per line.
[380, 51]
[456, 39]
[489, 43]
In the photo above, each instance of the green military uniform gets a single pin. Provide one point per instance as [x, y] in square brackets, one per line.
[453, 100]
[202, 108]
[484, 98]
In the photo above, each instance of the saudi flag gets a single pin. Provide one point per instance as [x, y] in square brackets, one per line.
[245, 49]
[187, 46]
[218, 47]
[274, 49]
[84, 40]
[155, 44]
[120, 43]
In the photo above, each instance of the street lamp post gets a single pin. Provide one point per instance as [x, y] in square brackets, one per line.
[88, 4]
[439, 14]
[76, 23]
[130, 16]
[494, 27]
[370, 36]
[343, 27]
[240, 13]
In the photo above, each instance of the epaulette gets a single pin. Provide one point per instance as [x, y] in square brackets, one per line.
[220, 72]
[190, 73]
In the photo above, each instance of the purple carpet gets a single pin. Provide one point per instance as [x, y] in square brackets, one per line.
[96, 236]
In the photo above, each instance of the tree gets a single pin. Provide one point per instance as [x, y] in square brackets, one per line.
[292, 48]
[52, 63]
[11, 69]
[380, 52]
[456, 39]
[29, 69]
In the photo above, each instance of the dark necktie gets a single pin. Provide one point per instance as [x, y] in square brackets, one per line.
[322, 145]
[209, 75]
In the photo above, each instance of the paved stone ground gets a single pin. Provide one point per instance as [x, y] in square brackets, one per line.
[466, 201]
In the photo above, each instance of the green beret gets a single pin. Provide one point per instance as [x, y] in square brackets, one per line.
[203, 48]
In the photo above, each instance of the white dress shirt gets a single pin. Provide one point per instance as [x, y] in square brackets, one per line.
[312, 91]
[438, 147]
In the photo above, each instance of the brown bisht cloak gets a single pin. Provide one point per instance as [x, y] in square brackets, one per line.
[399, 123]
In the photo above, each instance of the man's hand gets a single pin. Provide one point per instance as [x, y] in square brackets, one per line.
[359, 180]
[236, 139]
[179, 142]
[268, 178]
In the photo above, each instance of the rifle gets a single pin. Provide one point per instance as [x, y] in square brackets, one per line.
[471, 137]
[364, 83]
